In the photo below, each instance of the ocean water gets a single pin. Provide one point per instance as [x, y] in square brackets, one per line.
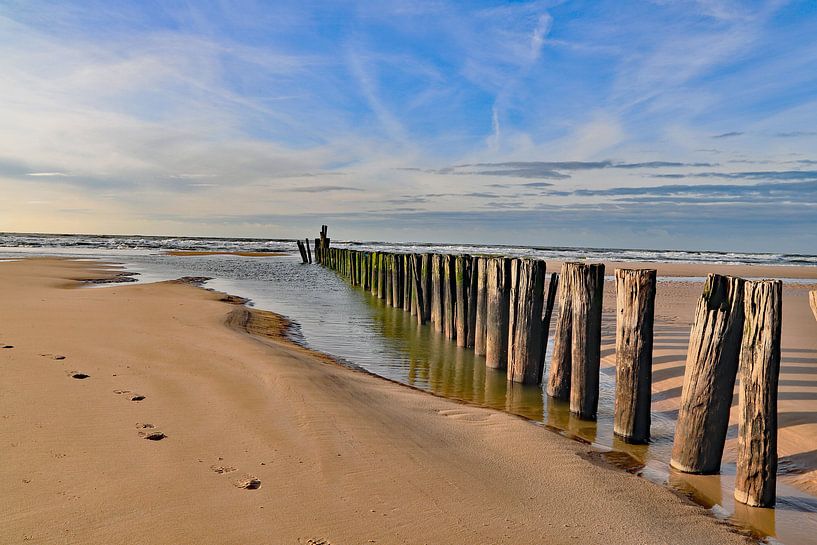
[361, 331]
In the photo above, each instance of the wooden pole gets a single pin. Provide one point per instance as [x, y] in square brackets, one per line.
[302, 250]
[709, 377]
[308, 251]
[635, 315]
[480, 321]
[472, 302]
[525, 321]
[381, 276]
[462, 283]
[450, 297]
[496, 323]
[396, 277]
[812, 298]
[437, 287]
[755, 480]
[587, 284]
[425, 280]
[389, 278]
[561, 361]
[417, 290]
[549, 302]
[408, 283]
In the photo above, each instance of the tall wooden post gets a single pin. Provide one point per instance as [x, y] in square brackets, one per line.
[367, 271]
[462, 282]
[302, 250]
[709, 378]
[480, 271]
[375, 273]
[425, 281]
[417, 288]
[498, 305]
[381, 275]
[755, 481]
[472, 302]
[525, 321]
[388, 290]
[308, 251]
[812, 298]
[396, 277]
[587, 283]
[561, 361]
[437, 287]
[549, 302]
[450, 297]
[408, 283]
[635, 315]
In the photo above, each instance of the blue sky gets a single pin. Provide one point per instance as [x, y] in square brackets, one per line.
[664, 124]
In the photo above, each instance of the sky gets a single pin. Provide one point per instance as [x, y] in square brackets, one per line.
[667, 124]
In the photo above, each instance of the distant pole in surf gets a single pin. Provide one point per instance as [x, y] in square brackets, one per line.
[635, 316]
[709, 377]
[759, 368]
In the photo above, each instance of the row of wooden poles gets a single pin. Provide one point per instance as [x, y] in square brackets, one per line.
[499, 307]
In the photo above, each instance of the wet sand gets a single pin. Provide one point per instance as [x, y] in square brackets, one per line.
[183, 253]
[329, 455]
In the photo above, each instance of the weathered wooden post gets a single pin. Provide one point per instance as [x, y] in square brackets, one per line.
[389, 290]
[417, 289]
[812, 298]
[548, 309]
[450, 297]
[396, 284]
[525, 321]
[635, 315]
[755, 481]
[472, 301]
[381, 275]
[462, 283]
[408, 283]
[308, 251]
[302, 250]
[481, 305]
[437, 287]
[375, 273]
[709, 377]
[498, 274]
[561, 361]
[425, 280]
[367, 271]
[587, 283]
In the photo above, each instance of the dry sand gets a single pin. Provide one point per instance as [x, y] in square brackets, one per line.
[337, 456]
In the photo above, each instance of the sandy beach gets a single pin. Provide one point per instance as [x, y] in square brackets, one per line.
[337, 456]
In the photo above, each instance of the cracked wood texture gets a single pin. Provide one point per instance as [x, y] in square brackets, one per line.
[709, 377]
[426, 286]
[755, 480]
[635, 316]
[587, 285]
[418, 299]
[498, 273]
[549, 302]
[525, 321]
[482, 306]
[462, 279]
[560, 361]
[449, 297]
[437, 286]
[472, 302]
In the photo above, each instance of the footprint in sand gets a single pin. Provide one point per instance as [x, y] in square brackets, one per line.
[314, 541]
[53, 356]
[137, 397]
[246, 481]
[131, 395]
[221, 470]
[8, 346]
[152, 435]
[78, 375]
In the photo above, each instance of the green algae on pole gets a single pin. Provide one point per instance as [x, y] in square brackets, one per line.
[709, 376]
[755, 479]
[525, 321]
[587, 285]
[498, 274]
[561, 360]
[635, 316]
